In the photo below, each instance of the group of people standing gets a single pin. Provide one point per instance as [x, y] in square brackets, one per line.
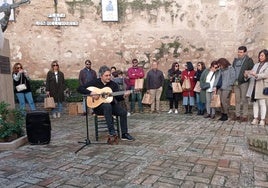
[246, 79]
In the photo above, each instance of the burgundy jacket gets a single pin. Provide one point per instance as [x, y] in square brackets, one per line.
[134, 73]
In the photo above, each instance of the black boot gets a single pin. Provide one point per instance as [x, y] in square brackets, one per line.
[224, 117]
[186, 109]
[202, 112]
[190, 110]
[199, 112]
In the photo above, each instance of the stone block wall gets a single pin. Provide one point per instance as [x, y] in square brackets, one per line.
[167, 30]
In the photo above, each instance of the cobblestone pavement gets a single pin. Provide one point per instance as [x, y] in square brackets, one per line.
[169, 151]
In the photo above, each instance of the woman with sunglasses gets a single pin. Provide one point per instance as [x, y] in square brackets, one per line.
[174, 75]
[20, 76]
[208, 83]
[55, 85]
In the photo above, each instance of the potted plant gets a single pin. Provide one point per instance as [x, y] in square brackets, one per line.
[11, 123]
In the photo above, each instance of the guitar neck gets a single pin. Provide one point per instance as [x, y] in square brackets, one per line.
[119, 93]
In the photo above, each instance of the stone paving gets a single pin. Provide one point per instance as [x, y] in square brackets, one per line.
[170, 151]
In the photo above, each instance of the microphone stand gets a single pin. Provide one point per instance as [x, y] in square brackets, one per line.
[87, 140]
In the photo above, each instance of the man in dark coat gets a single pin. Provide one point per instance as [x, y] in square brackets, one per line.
[241, 64]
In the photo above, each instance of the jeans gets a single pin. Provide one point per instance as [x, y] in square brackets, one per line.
[135, 96]
[58, 108]
[108, 110]
[21, 97]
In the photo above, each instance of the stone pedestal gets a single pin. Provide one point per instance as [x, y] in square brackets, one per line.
[6, 81]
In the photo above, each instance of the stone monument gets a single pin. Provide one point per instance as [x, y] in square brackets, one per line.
[6, 81]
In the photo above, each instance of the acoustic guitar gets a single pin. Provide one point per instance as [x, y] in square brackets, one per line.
[106, 96]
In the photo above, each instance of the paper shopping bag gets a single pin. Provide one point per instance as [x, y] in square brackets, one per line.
[186, 85]
[147, 99]
[215, 101]
[232, 99]
[176, 87]
[197, 87]
[139, 83]
[49, 103]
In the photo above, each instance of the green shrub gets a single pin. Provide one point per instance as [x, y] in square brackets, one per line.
[11, 121]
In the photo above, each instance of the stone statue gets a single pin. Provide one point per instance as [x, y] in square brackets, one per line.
[6, 8]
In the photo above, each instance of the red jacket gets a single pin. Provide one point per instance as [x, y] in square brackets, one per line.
[134, 73]
[190, 75]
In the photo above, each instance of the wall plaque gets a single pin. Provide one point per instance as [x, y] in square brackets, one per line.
[56, 21]
[4, 65]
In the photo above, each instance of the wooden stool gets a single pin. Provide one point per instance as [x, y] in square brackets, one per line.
[100, 123]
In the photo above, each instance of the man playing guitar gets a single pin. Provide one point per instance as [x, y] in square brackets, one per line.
[100, 89]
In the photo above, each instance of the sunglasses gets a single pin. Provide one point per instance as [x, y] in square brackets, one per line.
[18, 67]
[55, 65]
[88, 64]
[216, 67]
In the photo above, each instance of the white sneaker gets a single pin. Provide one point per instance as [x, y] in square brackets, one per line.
[170, 111]
[58, 114]
[262, 123]
[54, 115]
[176, 111]
[254, 122]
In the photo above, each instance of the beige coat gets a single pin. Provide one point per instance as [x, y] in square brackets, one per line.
[261, 81]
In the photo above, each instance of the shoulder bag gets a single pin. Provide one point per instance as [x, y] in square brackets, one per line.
[21, 86]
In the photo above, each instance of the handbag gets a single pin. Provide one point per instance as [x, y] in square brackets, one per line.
[215, 101]
[139, 83]
[176, 87]
[232, 99]
[197, 87]
[205, 85]
[147, 99]
[49, 102]
[265, 91]
[21, 86]
[186, 85]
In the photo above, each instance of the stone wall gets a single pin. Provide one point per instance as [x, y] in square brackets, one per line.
[189, 30]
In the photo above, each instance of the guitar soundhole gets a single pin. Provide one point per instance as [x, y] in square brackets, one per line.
[104, 95]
